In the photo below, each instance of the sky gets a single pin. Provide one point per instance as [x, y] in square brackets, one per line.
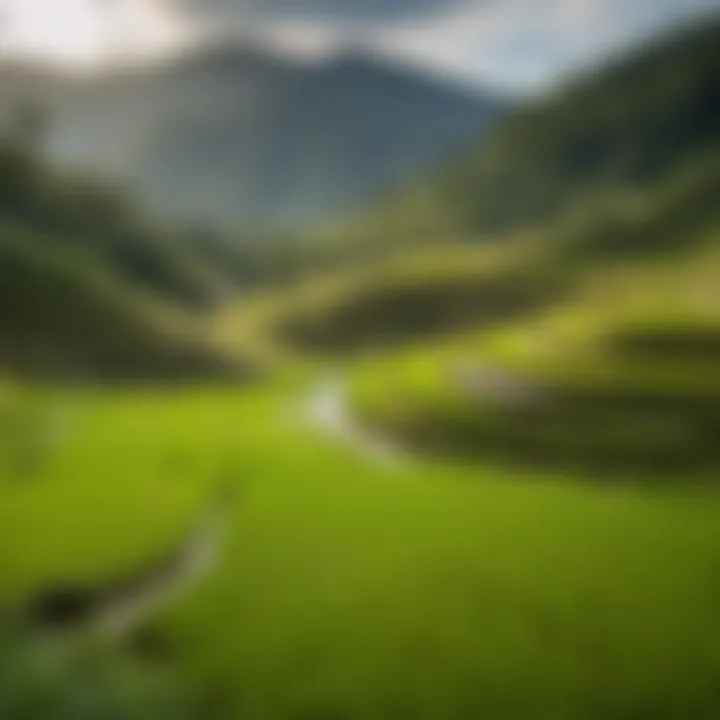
[519, 45]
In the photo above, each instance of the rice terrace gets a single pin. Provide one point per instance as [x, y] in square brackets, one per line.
[335, 390]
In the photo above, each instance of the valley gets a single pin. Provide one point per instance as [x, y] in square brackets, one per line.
[455, 458]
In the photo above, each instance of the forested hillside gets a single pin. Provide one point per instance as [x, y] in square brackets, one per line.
[622, 166]
[88, 289]
[74, 214]
[626, 127]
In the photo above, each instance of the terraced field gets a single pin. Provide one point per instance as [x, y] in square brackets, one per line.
[346, 588]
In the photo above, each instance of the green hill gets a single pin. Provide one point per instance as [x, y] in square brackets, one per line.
[74, 214]
[626, 127]
[435, 288]
[616, 379]
[604, 201]
[88, 290]
[621, 166]
[63, 322]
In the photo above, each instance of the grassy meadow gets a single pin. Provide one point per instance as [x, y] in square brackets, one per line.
[347, 588]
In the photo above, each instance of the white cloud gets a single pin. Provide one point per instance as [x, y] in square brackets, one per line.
[522, 44]
[84, 33]
[302, 39]
[527, 43]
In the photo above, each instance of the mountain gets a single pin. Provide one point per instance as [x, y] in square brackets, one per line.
[621, 129]
[232, 136]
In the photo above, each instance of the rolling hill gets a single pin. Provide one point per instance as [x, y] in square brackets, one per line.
[620, 167]
[621, 129]
[88, 290]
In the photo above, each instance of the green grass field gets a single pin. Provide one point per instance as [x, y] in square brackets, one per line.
[438, 588]
[352, 590]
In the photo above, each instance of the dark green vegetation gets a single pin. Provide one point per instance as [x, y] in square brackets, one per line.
[75, 324]
[86, 287]
[632, 391]
[39, 680]
[547, 222]
[552, 549]
[624, 128]
[410, 293]
[95, 224]
[629, 127]
[400, 311]
[619, 382]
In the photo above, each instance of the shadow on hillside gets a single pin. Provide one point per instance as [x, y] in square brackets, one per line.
[681, 343]
[620, 434]
[386, 316]
[655, 413]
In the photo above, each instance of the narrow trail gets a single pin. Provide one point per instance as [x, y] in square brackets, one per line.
[328, 409]
[116, 609]
[157, 586]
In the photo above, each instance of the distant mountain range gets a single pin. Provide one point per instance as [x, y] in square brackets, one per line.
[233, 137]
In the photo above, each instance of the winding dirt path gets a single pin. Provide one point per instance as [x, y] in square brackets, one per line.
[328, 408]
[118, 608]
[145, 594]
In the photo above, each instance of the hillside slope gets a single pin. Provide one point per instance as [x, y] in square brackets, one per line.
[72, 213]
[65, 323]
[621, 129]
[88, 291]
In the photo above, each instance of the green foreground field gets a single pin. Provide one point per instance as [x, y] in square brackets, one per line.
[348, 589]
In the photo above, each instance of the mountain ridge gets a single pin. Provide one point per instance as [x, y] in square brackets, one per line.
[233, 137]
[623, 127]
